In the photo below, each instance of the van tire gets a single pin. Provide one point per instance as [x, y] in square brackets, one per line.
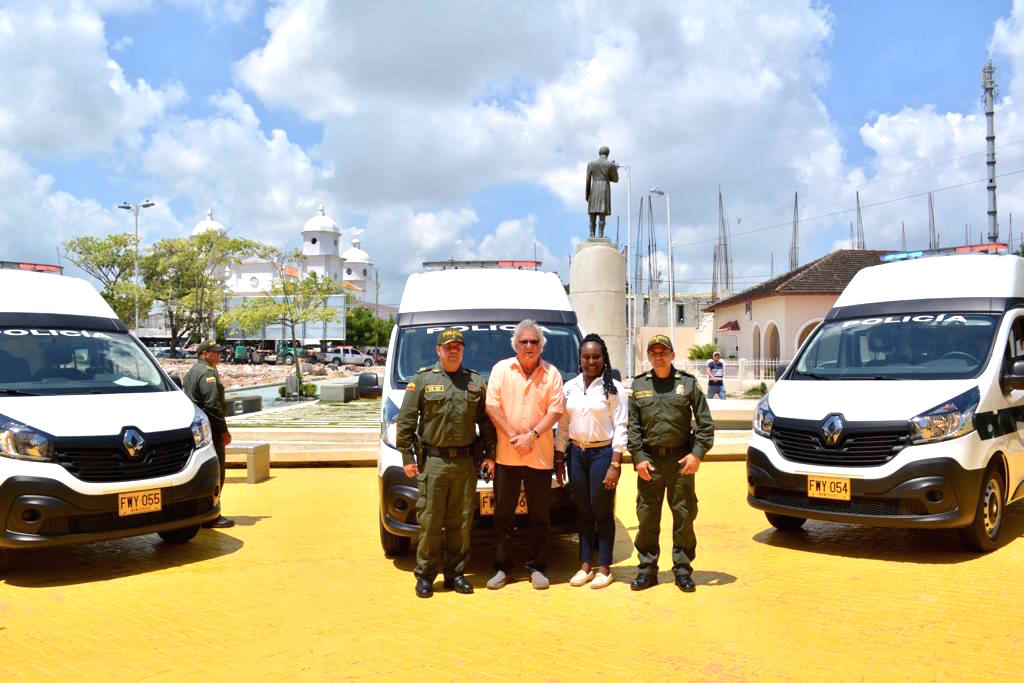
[393, 545]
[982, 536]
[784, 522]
[183, 535]
[288, 360]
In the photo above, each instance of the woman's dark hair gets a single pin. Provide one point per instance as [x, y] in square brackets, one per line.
[606, 375]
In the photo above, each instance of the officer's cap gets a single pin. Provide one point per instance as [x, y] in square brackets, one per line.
[208, 345]
[660, 339]
[451, 334]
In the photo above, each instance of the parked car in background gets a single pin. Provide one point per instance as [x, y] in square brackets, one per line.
[346, 355]
[165, 352]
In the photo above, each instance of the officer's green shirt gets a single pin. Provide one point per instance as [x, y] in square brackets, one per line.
[202, 385]
[662, 412]
[444, 410]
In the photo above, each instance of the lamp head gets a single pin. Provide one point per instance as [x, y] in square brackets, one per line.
[125, 205]
[146, 204]
[657, 191]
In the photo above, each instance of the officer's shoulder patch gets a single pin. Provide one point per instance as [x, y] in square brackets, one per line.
[646, 393]
[473, 387]
[211, 378]
[424, 368]
[411, 386]
[681, 389]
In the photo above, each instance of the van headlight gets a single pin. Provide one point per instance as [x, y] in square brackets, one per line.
[764, 418]
[389, 424]
[21, 442]
[202, 434]
[948, 420]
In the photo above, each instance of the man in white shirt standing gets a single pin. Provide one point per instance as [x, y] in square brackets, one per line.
[593, 432]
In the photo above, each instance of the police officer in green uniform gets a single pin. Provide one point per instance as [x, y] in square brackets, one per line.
[670, 431]
[202, 385]
[437, 435]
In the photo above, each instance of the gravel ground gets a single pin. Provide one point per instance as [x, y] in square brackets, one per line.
[249, 375]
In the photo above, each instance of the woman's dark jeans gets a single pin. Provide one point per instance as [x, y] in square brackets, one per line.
[595, 505]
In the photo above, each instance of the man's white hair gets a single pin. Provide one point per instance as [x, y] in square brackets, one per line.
[528, 325]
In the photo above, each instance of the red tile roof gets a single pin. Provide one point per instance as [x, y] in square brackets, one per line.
[827, 275]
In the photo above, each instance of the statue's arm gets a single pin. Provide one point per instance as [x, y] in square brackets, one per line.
[586, 194]
[613, 174]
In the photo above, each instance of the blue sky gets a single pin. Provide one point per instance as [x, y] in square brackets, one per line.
[460, 130]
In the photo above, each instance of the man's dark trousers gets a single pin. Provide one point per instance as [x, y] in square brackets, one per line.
[218, 445]
[507, 481]
[666, 479]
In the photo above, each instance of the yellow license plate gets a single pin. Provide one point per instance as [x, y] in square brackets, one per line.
[138, 502]
[487, 503]
[833, 488]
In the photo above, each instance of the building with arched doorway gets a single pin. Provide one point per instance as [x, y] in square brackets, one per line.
[771, 320]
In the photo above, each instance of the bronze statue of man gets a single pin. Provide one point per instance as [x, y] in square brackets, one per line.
[600, 174]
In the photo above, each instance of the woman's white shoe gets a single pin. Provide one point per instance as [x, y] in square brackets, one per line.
[601, 580]
[581, 577]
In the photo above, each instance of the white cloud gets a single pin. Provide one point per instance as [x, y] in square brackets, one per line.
[62, 93]
[122, 43]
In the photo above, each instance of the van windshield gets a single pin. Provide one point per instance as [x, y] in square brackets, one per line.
[906, 346]
[65, 361]
[486, 344]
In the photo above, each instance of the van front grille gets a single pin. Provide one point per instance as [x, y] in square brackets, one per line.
[103, 459]
[862, 444]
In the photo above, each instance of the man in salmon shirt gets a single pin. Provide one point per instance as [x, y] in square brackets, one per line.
[524, 401]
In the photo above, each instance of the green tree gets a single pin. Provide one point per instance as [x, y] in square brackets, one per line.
[702, 351]
[291, 302]
[187, 276]
[111, 261]
[361, 328]
[384, 326]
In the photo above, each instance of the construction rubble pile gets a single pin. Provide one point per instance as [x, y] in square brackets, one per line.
[252, 375]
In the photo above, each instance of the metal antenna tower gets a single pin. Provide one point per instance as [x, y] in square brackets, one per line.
[716, 261]
[724, 255]
[853, 239]
[989, 94]
[860, 226]
[933, 239]
[903, 236]
[794, 245]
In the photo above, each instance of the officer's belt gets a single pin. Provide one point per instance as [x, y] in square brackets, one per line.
[447, 451]
[666, 451]
[584, 445]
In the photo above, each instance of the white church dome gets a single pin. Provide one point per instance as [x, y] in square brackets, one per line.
[355, 255]
[322, 222]
[207, 224]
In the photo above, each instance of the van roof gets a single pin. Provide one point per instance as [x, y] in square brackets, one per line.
[469, 293]
[47, 294]
[961, 276]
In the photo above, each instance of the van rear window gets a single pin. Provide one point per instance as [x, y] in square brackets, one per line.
[486, 344]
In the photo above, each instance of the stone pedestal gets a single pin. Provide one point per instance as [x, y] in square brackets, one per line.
[597, 290]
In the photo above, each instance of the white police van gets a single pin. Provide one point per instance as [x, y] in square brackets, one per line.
[96, 441]
[486, 303]
[905, 407]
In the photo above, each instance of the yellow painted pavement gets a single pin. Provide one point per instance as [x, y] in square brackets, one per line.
[300, 590]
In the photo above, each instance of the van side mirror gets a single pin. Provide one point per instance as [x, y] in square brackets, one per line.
[369, 385]
[780, 370]
[1014, 378]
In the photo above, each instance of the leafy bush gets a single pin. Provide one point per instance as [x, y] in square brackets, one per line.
[308, 391]
[702, 351]
[756, 392]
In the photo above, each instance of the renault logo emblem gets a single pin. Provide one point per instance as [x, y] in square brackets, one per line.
[832, 429]
[133, 443]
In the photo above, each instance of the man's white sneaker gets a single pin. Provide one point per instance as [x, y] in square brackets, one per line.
[539, 581]
[601, 580]
[581, 577]
[497, 581]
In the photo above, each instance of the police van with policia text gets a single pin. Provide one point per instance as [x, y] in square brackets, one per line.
[96, 441]
[486, 300]
[905, 407]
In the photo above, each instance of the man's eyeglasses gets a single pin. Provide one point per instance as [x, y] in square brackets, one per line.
[529, 342]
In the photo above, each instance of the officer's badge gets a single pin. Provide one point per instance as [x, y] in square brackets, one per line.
[411, 386]
[646, 393]
[211, 379]
[681, 389]
[434, 388]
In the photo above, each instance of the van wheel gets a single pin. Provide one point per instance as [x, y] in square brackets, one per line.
[982, 535]
[393, 545]
[288, 360]
[183, 535]
[367, 363]
[784, 522]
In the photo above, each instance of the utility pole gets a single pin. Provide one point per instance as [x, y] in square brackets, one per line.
[630, 315]
[903, 236]
[853, 240]
[135, 208]
[989, 94]
[794, 245]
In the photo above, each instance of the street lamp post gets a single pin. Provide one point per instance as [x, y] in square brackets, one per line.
[135, 211]
[630, 315]
[671, 264]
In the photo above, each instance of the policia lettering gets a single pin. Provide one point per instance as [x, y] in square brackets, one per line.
[669, 419]
[437, 432]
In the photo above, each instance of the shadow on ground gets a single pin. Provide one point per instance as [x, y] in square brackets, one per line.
[76, 564]
[917, 546]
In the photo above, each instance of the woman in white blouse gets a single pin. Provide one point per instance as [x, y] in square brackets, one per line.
[593, 432]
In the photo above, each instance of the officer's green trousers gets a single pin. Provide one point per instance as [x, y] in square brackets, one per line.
[446, 488]
[682, 500]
